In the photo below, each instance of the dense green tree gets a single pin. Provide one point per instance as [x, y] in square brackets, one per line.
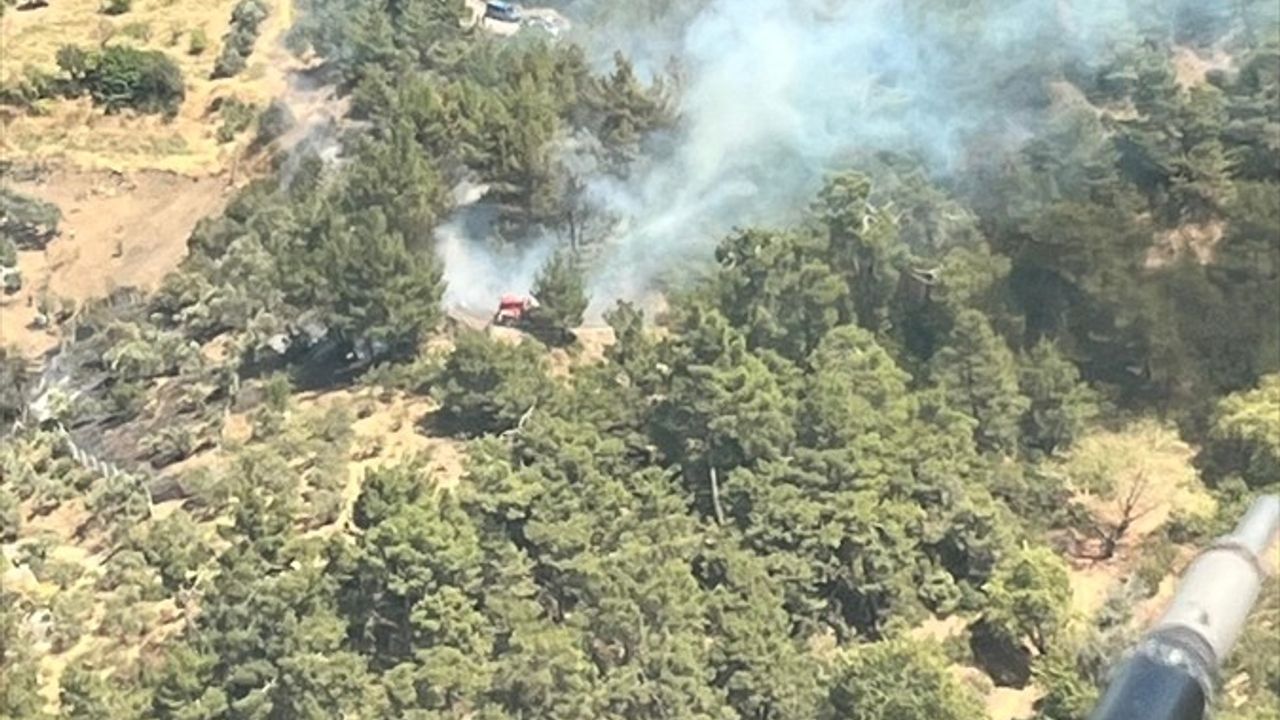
[898, 680]
[560, 288]
[856, 396]
[1029, 596]
[624, 112]
[980, 377]
[382, 296]
[780, 289]
[863, 247]
[725, 408]
[86, 693]
[489, 385]
[1060, 404]
[174, 546]
[27, 222]
[394, 177]
[765, 673]
[1244, 438]
[524, 172]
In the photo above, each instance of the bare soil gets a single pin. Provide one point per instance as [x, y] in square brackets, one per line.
[118, 230]
[86, 137]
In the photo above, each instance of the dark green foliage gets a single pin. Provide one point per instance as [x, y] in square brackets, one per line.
[25, 222]
[1060, 405]
[898, 680]
[623, 112]
[382, 295]
[21, 698]
[276, 120]
[119, 77]
[86, 693]
[236, 117]
[489, 385]
[561, 292]
[979, 375]
[175, 548]
[237, 45]
[1029, 597]
[1244, 437]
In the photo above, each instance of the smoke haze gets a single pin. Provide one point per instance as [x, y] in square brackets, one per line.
[775, 94]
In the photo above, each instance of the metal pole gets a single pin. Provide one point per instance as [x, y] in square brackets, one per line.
[1171, 674]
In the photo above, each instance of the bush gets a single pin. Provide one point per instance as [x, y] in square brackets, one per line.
[198, 42]
[274, 121]
[124, 77]
[236, 118]
[246, 20]
[10, 279]
[10, 516]
[25, 222]
[1157, 559]
[116, 7]
[33, 85]
[140, 31]
[230, 62]
[489, 385]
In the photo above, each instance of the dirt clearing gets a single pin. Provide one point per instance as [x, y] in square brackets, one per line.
[88, 138]
[118, 230]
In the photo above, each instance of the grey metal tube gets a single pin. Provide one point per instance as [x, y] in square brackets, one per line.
[1220, 587]
[1170, 675]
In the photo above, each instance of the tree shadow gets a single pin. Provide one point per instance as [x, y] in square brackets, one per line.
[1005, 662]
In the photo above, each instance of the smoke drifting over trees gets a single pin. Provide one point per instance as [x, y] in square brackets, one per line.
[772, 95]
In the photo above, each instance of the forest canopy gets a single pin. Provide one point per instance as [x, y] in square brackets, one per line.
[917, 398]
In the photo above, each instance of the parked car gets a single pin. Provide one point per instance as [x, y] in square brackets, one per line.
[501, 11]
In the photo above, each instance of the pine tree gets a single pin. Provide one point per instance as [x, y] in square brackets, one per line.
[896, 680]
[561, 292]
[979, 375]
[1029, 596]
[1059, 403]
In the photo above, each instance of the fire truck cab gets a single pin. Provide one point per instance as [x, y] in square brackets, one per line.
[513, 310]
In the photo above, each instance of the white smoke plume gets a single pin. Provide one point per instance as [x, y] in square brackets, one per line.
[775, 94]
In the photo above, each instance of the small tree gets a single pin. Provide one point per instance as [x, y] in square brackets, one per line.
[1123, 477]
[116, 7]
[1244, 439]
[25, 222]
[1029, 596]
[978, 372]
[198, 42]
[1060, 404]
[895, 680]
[489, 386]
[275, 120]
[561, 291]
[13, 379]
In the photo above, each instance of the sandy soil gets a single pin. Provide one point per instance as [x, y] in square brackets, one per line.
[1200, 241]
[118, 230]
[1166, 460]
[87, 137]
[1191, 68]
[389, 431]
